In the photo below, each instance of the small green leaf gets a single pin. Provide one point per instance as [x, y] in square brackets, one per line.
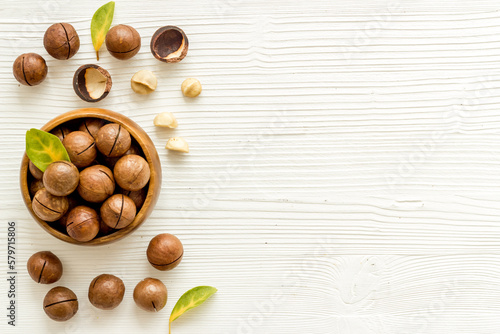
[191, 299]
[44, 148]
[101, 21]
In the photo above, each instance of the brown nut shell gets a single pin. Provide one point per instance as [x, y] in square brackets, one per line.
[96, 183]
[44, 267]
[30, 69]
[81, 148]
[35, 186]
[132, 172]
[165, 251]
[82, 223]
[35, 171]
[111, 162]
[151, 294]
[60, 132]
[91, 126]
[60, 303]
[92, 83]
[104, 229]
[49, 207]
[138, 196]
[74, 200]
[118, 211]
[169, 44]
[106, 291]
[113, 140]
[61, 178]
[123, 42]
[61, 41]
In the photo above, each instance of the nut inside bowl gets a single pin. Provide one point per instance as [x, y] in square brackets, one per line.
[169, 44]
[146, 148]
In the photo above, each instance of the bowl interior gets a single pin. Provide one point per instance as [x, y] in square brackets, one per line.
[72, 119]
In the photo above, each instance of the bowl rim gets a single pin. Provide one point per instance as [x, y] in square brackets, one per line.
[148, 149]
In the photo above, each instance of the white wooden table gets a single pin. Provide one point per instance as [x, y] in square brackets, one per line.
[344, 173]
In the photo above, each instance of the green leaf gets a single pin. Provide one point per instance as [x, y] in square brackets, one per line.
[44, 148]
[101, 21]
[191, 299]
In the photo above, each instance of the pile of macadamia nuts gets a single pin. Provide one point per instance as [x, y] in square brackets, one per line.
[106, 291]
[103, 187]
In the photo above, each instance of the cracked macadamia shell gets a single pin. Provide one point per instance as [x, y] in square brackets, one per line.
[61, 41]
[106, 291]
[132, 172]
[92, 83]
[83, 223]
[81, 148]
[49, 207]
[44, 267]
[150, 294]
[96, 183]
[113, 140]
[60, 304]
[118, 211]
[165, 251]
[123, 42]
[30, 69]
[61, 178]
[169, 44]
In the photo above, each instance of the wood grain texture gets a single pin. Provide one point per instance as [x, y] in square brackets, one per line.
[343, 174]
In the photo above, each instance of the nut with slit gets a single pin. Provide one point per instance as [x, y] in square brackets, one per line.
[123, 42]
[30, 69]
[81, 148]
[165, 251]
[60, 304]
[49, 207]
[96, 183]
[61, 41]
[118, 211]
[132, 172]
[61, 132]
[92, 126]
[83, 223]
[150, 294]
[113, 140]
[44, 267]
[61, 178]
[106, 291]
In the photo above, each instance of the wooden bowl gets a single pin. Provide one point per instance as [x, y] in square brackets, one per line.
[149, 152]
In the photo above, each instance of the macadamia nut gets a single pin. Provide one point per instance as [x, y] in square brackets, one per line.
[177, 144]
[191, 87]
[143, 82]
[132, 172]
[166, 120]
[113, 140]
